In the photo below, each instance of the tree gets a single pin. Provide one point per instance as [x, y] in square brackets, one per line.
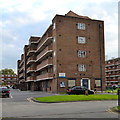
[7, 71]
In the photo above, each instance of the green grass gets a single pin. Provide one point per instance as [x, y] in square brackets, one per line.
[65, 98]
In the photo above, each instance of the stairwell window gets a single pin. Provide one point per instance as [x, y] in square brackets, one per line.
[54, 68]
[54, 39]
[53, 26]
[81, 67]
[81, 26]
[54, 53]
[81, 53]
[81, 40]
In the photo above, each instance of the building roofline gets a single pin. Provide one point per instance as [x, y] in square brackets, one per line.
[77, 18]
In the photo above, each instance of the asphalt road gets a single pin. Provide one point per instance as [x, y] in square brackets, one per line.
[19, 107]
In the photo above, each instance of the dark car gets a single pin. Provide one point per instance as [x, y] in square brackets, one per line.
[4, 92]
[79, 90]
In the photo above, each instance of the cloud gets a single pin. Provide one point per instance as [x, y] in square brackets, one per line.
[22, 18]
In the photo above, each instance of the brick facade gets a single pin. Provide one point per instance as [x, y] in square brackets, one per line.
[51, 61]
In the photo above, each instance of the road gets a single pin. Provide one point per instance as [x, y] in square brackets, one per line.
[19, 107]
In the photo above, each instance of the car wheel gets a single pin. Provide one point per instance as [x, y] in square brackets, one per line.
[8, 95]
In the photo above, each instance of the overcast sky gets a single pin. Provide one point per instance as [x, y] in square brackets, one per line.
[20, 19]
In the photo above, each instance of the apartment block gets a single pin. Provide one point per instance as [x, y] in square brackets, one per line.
[8, 79]
[112, 72]
[69, 53]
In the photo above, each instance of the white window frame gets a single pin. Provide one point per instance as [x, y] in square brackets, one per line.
[81, 53]
[81, 26]
[81, 67]
[81, 40]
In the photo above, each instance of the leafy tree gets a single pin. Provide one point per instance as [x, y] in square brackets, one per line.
[7, 71]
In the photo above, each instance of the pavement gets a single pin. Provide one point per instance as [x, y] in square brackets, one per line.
[19, 106]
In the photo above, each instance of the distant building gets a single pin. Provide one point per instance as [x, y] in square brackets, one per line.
[70, 53]
[112, 71]
[9, 79]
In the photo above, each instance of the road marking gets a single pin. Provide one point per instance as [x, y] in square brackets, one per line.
[11, 96]
[29, 99]
[110, 111]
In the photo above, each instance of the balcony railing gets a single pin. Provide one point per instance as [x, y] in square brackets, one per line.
[21, 63]
[31, 78]
[31, 51]
[31, 69]
[31, 60]
[113, 69]
[21, 75]
[46, 52]
[44, 76]
[43, 44]
[45, 63]
[112, 75]
[113, 64]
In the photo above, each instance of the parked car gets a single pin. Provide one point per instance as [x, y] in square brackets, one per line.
[78, 90]
[4, 92]
[115, 86]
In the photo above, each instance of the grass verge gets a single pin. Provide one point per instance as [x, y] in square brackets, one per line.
[118, 107]
[67, 98]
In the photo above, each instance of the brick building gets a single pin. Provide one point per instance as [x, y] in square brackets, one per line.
[112, 72]
[8, 79]
[70, 53]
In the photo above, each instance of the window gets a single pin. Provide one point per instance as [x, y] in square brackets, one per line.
[53, 26]
[54, 39]
[8, 75]
[81, 53]
[81, 67]
[2, 78]
[62, 84]
[54, 53]
[54, 68]
[71, 83]
[98, 83]
[81, 26]
[81, 40]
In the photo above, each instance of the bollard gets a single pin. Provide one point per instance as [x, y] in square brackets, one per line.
[86, 92]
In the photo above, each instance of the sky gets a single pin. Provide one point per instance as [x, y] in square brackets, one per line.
[20, 19]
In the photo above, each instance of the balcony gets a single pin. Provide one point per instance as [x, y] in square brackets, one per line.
[44, 43]
[113, 69]
[31, 51]
[21, 75]
[112, 80]
[31, 60]
[46, 52]
[44, 64]
[31, 69]
[21, 63]
[112, 75]
[21, 70]
[44, 76]
[31, 78]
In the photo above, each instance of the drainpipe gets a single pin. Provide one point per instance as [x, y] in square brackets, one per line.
[100, 41]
